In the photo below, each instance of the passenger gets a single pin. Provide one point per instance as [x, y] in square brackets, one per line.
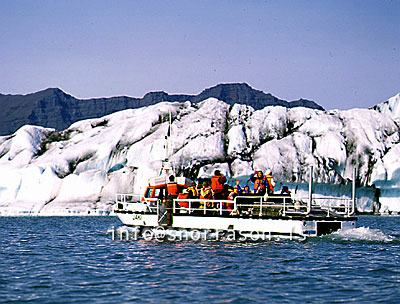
[172, 187]
[184, 195]
[217, 184]
[260, 182]
[233, 192]
[198, 188]
[193, 193]
[245, 202]
[246, 190]
[225, 192]
[192, 190]
[237, 187]
[286, 192]
[224, 196]
[205, 193]
[172, 193]
[271, 182]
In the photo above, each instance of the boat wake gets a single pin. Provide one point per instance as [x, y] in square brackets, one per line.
[362, 234]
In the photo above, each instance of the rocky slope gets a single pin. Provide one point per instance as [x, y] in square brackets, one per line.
[55, 109]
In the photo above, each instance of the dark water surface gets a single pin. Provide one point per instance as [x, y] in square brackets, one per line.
[74, 260]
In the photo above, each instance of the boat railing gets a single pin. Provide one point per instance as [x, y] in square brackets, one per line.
[123, 201]
[256, 205]
[128, 197]
[334, 205]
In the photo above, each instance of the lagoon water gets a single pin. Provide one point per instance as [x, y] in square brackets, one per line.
[75, 260]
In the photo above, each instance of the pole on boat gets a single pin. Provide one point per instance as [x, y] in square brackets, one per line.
[353, 193]
[310, 190]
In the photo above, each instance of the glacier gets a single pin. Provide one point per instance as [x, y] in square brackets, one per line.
[79, 170]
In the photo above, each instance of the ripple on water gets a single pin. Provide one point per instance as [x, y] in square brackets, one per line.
[74, 260]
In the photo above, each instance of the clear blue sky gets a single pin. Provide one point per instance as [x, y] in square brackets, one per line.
[342, 54]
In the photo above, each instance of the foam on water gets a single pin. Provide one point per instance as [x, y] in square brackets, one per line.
[363, 234]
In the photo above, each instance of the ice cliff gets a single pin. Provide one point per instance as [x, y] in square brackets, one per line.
[85, 165]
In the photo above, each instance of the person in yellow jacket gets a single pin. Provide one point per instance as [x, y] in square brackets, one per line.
[192, 190]
[205, 193]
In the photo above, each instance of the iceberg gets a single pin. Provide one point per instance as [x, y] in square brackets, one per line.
[82, 168]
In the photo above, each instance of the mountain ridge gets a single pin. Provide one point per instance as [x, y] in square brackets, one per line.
[54, 108]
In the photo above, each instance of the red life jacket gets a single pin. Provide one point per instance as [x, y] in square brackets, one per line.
[172, 189]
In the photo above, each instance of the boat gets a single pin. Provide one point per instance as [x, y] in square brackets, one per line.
[246, 216]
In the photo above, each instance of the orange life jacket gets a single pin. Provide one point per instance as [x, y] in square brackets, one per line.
[217, 183]
[183, 196]
[172, 189]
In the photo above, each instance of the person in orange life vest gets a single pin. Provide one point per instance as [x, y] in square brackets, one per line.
[172, 187]
[184, 195]
[217, 184]
[271, 182]
[260, 182]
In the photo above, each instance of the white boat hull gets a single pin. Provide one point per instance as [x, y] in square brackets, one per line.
[279, 227]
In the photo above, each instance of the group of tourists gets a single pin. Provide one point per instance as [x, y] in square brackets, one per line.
[218, 189]
[208, 193]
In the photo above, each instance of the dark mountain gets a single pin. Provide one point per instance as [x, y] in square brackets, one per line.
[55, 109]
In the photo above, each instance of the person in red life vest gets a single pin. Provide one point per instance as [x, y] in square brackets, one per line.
[271, 182]
[260, 182]
[217, 184]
